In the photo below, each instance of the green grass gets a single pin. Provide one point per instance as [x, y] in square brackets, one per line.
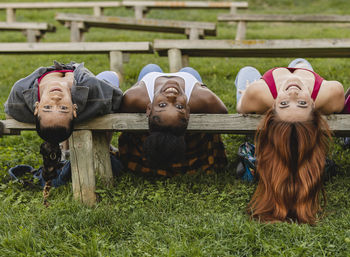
[199, 215]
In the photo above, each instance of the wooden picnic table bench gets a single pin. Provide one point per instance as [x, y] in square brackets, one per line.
[34, 31]
[79, 24]
[242, 20]
[178, 51]
[90, 150]
[142, 7]
[97, 6]
[118, 51]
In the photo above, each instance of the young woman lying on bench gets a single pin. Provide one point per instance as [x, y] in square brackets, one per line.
[292, 140]
[168, 99]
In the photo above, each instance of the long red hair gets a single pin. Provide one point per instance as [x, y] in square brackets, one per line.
[291, 158]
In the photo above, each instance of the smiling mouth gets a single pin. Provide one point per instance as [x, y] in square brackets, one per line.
[171, 90]
[56, 89]
[291, 86]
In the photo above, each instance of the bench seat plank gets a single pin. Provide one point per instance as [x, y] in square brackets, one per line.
[27, 25]
[178, 51]
[155, 25]
[242, 20]
[285, 18]
[76, 47]
[186, 4]
[97, 6]
[33, 30]
[142, 7]
[211, 123]
[50, 5]
[257, 48]
[118, 51]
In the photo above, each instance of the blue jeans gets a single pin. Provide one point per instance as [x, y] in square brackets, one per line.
[155, 68]
[109, 76]
[245, 76]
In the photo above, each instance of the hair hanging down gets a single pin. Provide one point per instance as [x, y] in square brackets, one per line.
[291, 159]
[165, 144]
[54, 135]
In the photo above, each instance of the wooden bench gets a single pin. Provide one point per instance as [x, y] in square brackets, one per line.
[179, 51]
[142, 7]
[34, 31]
[242, 20]
[79, 24]
[97, 7]
[118, 51]
[90, 150]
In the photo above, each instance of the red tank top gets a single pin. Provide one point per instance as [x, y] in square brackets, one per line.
[270, 81]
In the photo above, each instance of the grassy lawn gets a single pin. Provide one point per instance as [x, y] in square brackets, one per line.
[198, 215]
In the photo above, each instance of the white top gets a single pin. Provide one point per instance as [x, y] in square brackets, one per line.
[151, 77]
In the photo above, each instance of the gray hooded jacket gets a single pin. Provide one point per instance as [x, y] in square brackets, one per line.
[92, 96]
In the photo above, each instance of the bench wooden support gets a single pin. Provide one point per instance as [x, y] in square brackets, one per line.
[77, 30]
[89, 157]
[90, 150]
[82, 166]
[10, 15]
[241, 30]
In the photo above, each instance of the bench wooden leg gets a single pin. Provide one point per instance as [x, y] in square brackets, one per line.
[116, 59]
[98, 11]
[194, 34]
[140, 11]
[102, 163]
[82, 166]
[175, 59]
[77, 30]
[241, 30]
[10, 15]
[185, 60]
[233, 9]
[33, 35]
[89, 155]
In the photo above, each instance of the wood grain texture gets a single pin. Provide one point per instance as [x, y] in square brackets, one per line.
[82, 166]
[257, 48]
[211, 123]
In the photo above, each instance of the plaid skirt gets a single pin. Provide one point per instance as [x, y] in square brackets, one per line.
[204, 152]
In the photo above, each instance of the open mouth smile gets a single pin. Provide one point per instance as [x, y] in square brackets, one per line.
[171, 90]
[293, 86]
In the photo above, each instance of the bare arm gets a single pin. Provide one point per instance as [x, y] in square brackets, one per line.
[330, 98]
[256, 98]
[135, 99]
[203, 100]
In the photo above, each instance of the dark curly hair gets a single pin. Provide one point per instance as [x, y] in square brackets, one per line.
[54, 134]
[165, 144]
